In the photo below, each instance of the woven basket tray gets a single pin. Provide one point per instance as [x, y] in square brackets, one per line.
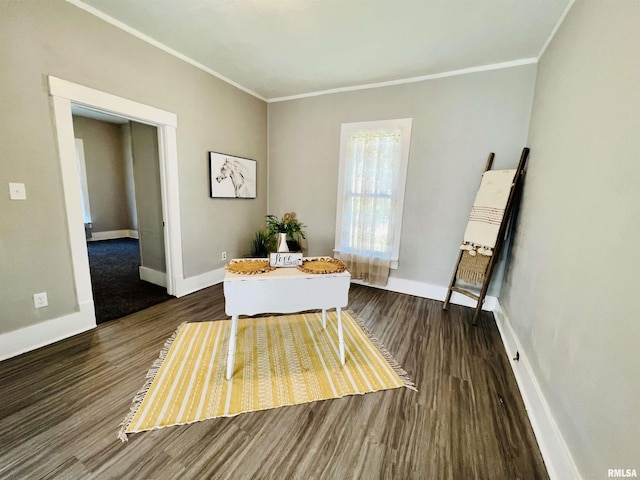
[249, 267]
[322, 265]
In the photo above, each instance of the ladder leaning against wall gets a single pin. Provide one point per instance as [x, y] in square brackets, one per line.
[492, 212]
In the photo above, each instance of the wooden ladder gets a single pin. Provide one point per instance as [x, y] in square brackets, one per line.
[509, 213]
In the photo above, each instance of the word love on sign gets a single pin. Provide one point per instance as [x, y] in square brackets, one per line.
[285, 259]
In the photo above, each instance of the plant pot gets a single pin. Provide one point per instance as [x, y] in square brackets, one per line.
[282, 242]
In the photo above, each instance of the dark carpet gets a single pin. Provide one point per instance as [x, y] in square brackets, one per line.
[115, 278]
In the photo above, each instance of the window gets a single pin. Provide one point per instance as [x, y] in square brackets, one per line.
[371, 183]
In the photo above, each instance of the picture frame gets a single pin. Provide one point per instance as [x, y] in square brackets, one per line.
[231, 177]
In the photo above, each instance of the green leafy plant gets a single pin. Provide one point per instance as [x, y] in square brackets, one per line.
[288, 224]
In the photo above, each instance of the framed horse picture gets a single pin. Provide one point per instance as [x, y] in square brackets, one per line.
[231, 177]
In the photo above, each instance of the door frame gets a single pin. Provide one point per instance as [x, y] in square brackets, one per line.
[63, 95]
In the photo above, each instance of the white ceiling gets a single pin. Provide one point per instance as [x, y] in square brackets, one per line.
[282, 48]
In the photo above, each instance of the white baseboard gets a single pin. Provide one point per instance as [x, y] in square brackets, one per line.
[557, 458]
[113, 234]
[433, 292]
[185, 286]
[44, 333]
[153, 276]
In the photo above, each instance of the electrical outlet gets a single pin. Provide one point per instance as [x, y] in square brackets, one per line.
[224, 255]
[40, 300]
[17, 191]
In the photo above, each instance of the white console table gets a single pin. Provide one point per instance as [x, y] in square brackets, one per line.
[284, 290]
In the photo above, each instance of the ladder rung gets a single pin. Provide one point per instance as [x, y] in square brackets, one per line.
[465, 292]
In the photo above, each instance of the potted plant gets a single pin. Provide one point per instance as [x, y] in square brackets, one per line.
[288, 230]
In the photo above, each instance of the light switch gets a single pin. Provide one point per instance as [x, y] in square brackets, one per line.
[17, 191]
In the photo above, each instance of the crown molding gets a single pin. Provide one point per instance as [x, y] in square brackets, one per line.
[482, 68]
[390, 83]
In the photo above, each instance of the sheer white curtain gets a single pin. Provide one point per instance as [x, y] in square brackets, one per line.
[371, 184]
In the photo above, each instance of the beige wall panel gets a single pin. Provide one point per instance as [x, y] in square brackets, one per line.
[146, 174]
[125, 132]
[575, 262]
[106, 173]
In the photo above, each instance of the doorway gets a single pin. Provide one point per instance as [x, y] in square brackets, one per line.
[64, 96]
[119, 176]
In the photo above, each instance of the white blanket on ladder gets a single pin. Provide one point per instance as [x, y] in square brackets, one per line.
[487, 212]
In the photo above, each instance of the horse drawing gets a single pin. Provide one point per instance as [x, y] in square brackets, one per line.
[239, 176]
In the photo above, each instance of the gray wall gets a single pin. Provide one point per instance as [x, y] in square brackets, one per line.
[568, 292]
[56, 38]
[146, 174]
[130, 187]
[457, 121]
[106, 174]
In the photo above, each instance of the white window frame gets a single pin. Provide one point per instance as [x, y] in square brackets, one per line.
[346, 130]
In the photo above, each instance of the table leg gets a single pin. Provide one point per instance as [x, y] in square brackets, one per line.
[340, 335]
[232, 345]
[324, 319]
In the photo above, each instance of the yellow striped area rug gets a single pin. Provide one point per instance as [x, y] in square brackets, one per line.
[280, 360]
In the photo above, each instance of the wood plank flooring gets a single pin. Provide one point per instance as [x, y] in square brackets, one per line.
[60, 407]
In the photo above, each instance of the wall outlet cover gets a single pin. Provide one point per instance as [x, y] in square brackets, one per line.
[17, 191]
[40, 300]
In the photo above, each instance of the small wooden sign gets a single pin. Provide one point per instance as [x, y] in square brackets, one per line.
[285, 259]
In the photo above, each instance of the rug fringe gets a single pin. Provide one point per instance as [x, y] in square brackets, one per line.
[393, 363]
[151, 375]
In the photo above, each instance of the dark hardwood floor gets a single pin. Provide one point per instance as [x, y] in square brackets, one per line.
[60, 407]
